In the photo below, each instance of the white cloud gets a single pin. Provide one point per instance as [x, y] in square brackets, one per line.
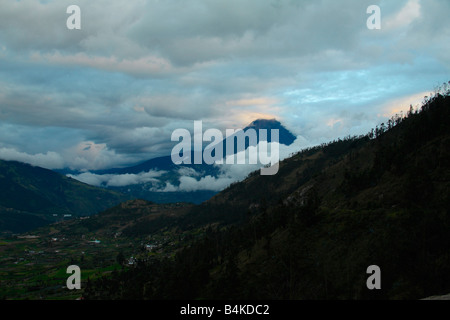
[118, 180]
[229, 173]
[129, 179]
[88, 155]
[410, 12]
[48, 160]
[189, 172]
[205, 183]
[168, 188]
[90, 178]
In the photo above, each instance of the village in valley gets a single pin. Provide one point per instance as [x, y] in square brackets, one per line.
[33, 265]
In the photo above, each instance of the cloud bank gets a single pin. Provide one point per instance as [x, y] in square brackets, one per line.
[138, 70]
[189, 179]
[117, 180]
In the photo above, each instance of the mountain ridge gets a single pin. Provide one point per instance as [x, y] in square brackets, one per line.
[42, 194]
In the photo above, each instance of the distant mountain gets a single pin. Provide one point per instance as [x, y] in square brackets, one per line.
[151, 191]
[285, 136]
[165, 162]
[32, 196]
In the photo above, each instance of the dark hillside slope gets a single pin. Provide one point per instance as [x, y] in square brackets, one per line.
[35, 194]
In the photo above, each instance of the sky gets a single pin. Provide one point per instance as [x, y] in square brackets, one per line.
[111, 93]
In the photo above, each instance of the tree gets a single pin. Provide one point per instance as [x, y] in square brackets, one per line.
[120, 258]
